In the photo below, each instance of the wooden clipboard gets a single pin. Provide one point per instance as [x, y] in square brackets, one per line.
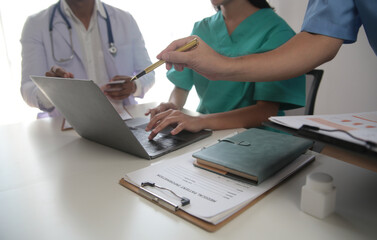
[199, 222]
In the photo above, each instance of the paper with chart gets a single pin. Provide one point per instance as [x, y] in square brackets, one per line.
[362, 125]
[213, 198]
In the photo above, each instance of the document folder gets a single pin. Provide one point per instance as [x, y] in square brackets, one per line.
[332, 129]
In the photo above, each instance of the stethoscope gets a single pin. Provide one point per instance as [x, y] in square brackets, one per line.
[112, 48]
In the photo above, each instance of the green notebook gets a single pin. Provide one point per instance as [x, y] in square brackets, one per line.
[253, 155]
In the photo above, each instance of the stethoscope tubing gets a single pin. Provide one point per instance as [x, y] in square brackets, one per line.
[112, 48]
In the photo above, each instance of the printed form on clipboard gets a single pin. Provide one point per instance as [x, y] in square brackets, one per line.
[212, 198]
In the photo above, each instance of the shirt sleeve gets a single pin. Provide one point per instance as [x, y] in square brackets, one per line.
[33, 62]
[182, 79]
[333, 18]
[141, 60]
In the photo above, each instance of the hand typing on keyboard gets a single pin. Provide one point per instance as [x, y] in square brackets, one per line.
[177, 118]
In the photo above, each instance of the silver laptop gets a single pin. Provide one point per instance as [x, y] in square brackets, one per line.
[93, 117]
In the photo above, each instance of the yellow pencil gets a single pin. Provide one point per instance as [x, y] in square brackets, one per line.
[152, 67]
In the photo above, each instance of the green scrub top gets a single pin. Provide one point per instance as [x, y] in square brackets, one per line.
[260, 32]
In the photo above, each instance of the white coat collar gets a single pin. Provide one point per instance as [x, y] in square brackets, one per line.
[98, 7]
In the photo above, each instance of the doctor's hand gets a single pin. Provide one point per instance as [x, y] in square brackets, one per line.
[56, 71]
[161, 108]
[175, 118]
[119, 87]
[202, 59]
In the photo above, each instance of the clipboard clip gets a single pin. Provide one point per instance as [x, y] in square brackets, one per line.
[166, 203]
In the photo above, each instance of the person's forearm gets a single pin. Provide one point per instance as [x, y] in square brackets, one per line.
[299, 55]
[247, 117]
[178, 96]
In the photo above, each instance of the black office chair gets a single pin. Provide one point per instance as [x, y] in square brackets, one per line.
[313, 79]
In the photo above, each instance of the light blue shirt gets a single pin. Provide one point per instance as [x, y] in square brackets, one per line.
[342, 19]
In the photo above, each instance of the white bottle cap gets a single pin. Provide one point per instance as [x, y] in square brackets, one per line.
[320, 181]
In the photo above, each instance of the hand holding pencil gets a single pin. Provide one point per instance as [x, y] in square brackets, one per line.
[191, 44]
[202, 59]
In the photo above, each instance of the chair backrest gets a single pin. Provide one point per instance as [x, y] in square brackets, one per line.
[313, 79]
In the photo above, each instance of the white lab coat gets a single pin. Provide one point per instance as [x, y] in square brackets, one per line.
[131, 57]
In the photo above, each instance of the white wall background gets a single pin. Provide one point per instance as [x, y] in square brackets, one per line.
[349, 83]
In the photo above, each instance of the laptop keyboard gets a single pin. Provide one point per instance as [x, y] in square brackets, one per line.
[160, 142]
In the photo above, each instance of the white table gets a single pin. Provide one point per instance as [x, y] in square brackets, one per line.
[57, 185]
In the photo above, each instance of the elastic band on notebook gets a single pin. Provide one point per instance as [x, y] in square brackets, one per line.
[241, 143]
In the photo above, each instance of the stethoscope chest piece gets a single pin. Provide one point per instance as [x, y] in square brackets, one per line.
[112, 49]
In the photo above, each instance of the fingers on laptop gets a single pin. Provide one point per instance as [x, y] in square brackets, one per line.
[158, 123]
[174, 118]
[160, 108]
